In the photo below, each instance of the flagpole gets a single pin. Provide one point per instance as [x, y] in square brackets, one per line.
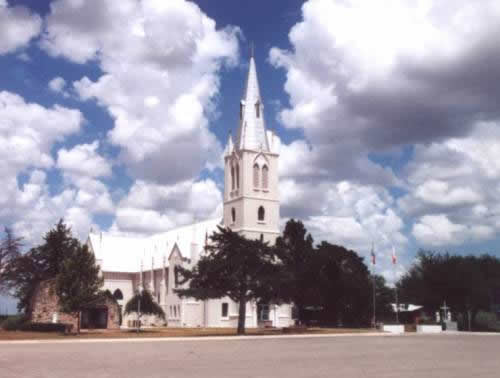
[374, 318]
[395, 283]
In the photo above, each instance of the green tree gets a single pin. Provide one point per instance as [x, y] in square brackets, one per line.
[147, 305]
[233, 266]
[296, 253]
[344, 286]
[78, 282]
[467, 283]
[10, 250]
[384, 296]
[23, 273]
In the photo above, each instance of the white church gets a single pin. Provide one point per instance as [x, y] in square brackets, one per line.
[251, 207]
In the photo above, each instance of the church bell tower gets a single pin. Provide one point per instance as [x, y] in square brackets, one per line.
[251, 199]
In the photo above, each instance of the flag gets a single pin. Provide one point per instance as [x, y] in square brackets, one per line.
[394, 259]
[373, 255]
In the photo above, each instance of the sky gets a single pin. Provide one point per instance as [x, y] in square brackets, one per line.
[114, 116]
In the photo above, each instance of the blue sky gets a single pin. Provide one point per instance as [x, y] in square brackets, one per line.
[114, 115]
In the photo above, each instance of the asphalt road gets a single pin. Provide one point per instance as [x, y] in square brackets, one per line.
[404, 356]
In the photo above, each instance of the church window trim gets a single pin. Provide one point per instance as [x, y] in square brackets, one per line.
[265, 177]
[261, 214]
[225, 310]
[256, 174]
[232, 178]
[237, 176]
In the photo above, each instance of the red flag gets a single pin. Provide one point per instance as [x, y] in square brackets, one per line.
[394, 259]
[373, 256]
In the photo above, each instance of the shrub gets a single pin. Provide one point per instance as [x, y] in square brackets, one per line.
[47, 327]
[486, 321]
[13, 323]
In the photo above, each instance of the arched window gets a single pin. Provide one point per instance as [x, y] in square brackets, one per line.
[257, 109]
[118, 295]
[261, 214]
[237, 176]
[232, 178]
[233, 214]
[256, 170]
[265, 176]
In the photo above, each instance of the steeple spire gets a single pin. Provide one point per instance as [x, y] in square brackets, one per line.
[252, 131]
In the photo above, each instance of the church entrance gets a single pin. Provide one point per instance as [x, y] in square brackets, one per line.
[263, 315]
[95, 318]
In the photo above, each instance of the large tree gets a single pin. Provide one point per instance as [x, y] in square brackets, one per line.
[344, 286]
[296, 254]
[78, 282]
[10, 249]
[467, 283]
[24, 273]
[235, 267]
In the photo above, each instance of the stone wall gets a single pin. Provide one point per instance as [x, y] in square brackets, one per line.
[46, 308]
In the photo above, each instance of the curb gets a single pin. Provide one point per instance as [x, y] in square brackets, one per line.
[239, 338]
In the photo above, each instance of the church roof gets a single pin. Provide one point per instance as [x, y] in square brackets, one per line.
[117, 253]
[252, 130]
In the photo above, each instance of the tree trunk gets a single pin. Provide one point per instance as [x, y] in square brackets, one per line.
[78, 323]
[242, 316]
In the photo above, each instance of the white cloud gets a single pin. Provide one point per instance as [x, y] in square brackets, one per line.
[28, 131]
[57, 84]
[17, 27]
[83, 160]
[161, 63]
[438, 230]
[150, 208]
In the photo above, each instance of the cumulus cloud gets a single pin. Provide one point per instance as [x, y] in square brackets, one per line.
[160, 62]
[407, 72]
[18, 26]
[28, 131]
[150, 208]
[57, 85]
[83, 159]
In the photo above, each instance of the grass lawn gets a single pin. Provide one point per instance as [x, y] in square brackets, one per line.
[168, 332]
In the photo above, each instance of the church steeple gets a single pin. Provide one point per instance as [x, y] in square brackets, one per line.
[252, 130]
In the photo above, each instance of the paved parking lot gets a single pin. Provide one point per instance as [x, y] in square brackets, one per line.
[363, 356]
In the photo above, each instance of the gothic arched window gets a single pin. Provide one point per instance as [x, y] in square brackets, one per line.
[233, 215]
[237, 176]
[257, 109]
[118, 295]
[265, 176]
[256, 172]
[232, 178]
[261, 213]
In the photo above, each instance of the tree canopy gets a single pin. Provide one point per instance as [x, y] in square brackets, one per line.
[295, 251]
[235, 267]
[78, 283]
[467, 283]
[148, 305]
[10, 250]
[59, 253]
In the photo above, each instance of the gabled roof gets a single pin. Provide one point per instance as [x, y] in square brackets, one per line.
[117, 253]
[252, 130]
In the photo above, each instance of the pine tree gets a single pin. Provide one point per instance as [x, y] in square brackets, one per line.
[78, 282]
[10, 250]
